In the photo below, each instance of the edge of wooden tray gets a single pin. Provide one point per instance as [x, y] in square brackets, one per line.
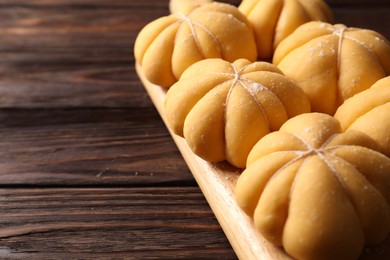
[217, 183]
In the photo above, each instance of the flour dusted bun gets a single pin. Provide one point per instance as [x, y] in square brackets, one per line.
[331, 63]
[185, 6]
[274, 20]
[318, 192]
[167, 46]
[222, 109]
[369, 112]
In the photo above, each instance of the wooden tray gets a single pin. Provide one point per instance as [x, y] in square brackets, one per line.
[217, 182]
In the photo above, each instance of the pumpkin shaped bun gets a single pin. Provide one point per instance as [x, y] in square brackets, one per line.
[369, 112]
[331, 63]
[185, 6]
[222, 109]
[167, 46]
[274, 20]
[318, 192]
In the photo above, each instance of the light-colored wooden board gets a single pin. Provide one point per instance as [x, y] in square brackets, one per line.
[217, 183]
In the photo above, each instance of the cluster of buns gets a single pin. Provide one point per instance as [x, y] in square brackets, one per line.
[311, 130]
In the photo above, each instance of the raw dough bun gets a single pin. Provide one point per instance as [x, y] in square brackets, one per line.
[319, 193]
[185, 6]
[169, 45]
[369, 112]
[274, 20]
[332, 62]
[222, 109]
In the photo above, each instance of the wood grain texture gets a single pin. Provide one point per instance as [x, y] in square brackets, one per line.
[120, 223]
[88, 147]
[65, 57]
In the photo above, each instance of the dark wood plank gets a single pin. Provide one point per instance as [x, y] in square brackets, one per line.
[71, 58]
[120, 223]
[125, 223]
[374, 18]
[88, 147]
[352, 3]
[61, 80]
[59, 27]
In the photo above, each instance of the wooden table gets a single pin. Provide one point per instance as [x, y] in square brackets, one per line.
[87, 168]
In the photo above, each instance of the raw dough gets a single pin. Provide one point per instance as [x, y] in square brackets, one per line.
[331, 63]
[274, 20]
[222, 109]
[318, 192]
[369, 112]
[167, 46]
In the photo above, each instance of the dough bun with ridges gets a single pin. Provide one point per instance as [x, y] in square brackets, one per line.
[369, 112]
[274, 20]
[331, 63]
[222, 109]
[318, 192]
[167, 46]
